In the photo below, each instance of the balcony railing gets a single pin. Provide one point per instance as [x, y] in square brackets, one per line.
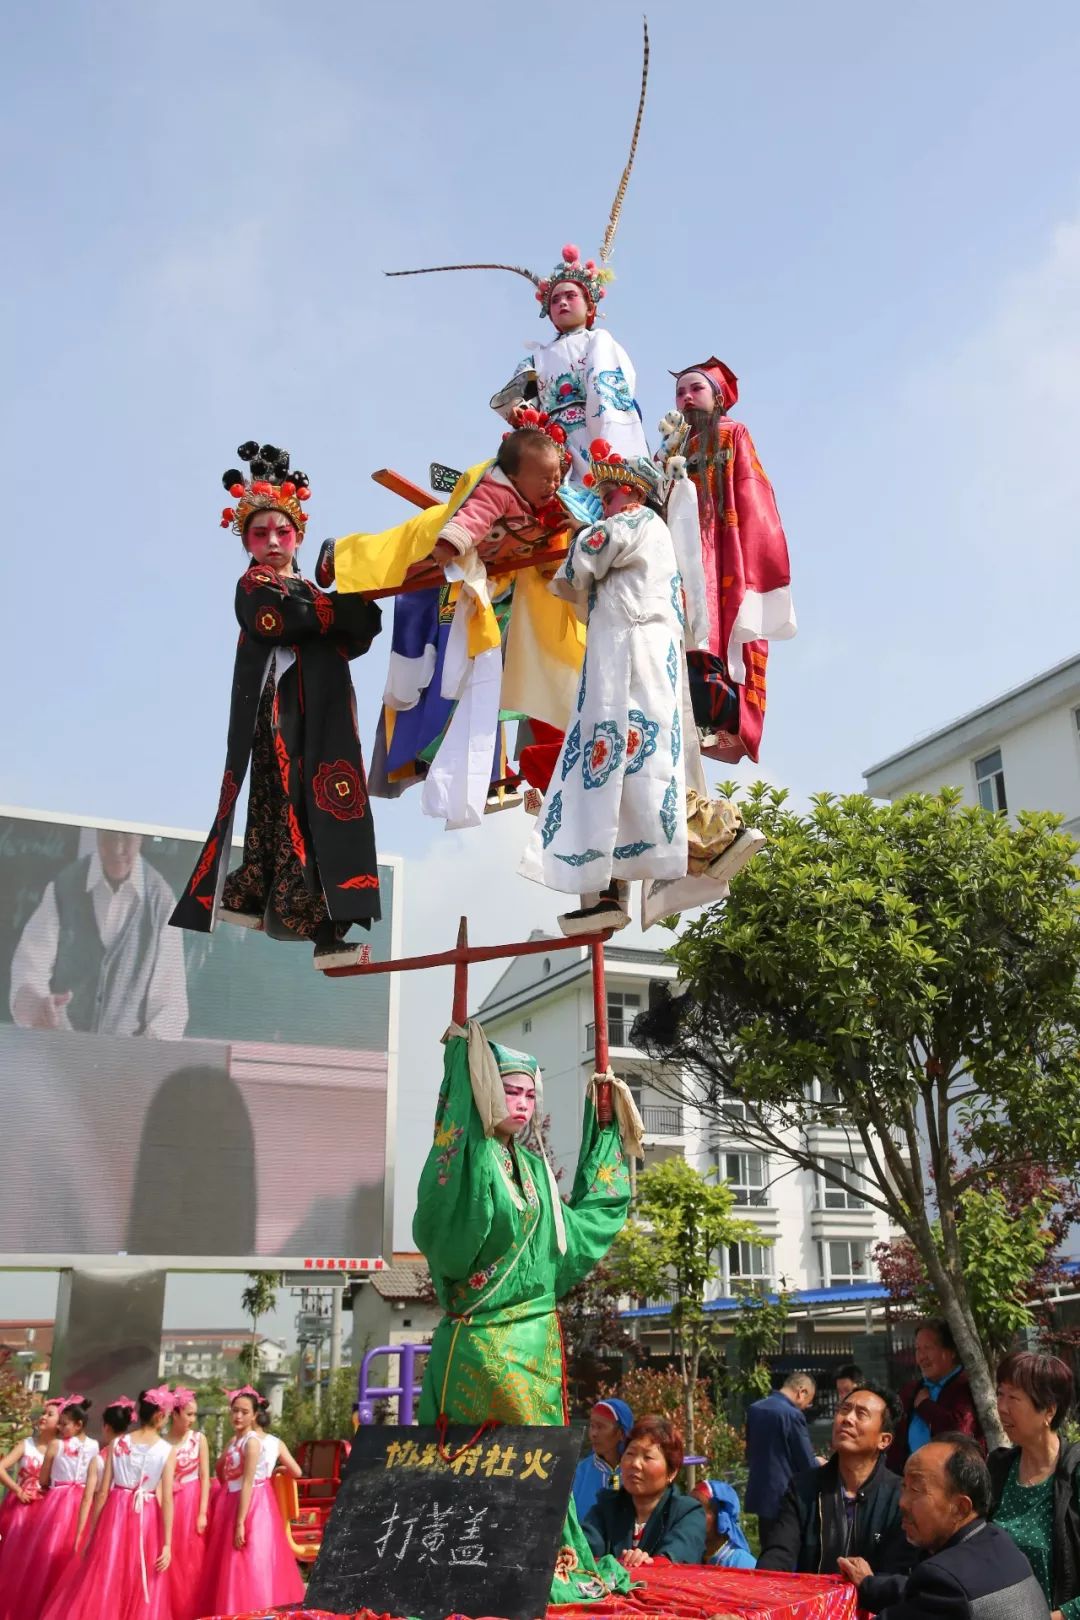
[618, 1033]
[662, 1119]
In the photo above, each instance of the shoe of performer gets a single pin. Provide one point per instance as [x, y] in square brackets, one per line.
[241, 919]
[607, 914]
[333, 950]
[748, 840]
[324, 566]
[502, 799]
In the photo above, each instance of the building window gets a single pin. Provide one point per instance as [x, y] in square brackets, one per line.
[844, 1262]
[990, 782]
[526, 1026]
[748, 1262]
[745, 1174]
[623, 1007]
[833, 1197]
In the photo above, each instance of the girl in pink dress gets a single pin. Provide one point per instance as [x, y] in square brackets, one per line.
[23, 1489]
[191, 1505]
[49, 1551]
[248, 1563]
[124, 1575]
[116, 1419]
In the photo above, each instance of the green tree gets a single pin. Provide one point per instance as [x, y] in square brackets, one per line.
[594, 1332]
[908, 974]
[16, 1402]
[649, 1390]
[670, 1247]
[758, 1333]
[258, 1300]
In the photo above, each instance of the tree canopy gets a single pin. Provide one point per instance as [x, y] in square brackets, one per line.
[907, 975]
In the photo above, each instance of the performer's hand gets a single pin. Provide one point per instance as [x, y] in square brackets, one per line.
[444, 552]
[48, 1012]
[164, 1560]
[516, 411]
[200, 1525]
[240, 1538]
[633, 1557]
[854, 1570]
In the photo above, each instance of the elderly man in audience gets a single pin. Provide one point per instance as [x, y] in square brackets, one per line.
[850, 1507]
[969, 1569]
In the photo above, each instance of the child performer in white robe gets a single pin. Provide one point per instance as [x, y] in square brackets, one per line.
[616, 807]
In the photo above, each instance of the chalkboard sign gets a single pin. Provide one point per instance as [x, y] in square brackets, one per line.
[412, 1534]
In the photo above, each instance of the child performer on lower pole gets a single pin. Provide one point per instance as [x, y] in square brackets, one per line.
[191, 1504]
[124, 1575]
[248, 1562]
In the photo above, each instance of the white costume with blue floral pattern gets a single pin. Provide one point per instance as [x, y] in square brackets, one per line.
[616, 805]
[584, 381]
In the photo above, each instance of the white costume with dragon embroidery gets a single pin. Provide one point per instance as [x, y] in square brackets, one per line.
[616, 805]
[585, 382]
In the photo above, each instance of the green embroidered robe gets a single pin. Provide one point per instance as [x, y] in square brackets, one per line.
[485, 1225]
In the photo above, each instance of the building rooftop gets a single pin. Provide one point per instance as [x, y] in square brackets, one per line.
[984, 724]
[406, 1279]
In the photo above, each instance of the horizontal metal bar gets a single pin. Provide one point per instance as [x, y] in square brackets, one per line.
[470, 953]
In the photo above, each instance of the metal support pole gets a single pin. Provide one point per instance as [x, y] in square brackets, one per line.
[318, 1372]
[600, 1023]
[461, 975]
[335, 1330]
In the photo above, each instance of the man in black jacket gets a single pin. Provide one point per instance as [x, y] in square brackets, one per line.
[850, 1508]
[969, 1570]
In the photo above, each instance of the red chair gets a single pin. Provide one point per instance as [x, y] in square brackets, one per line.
[323, 1463]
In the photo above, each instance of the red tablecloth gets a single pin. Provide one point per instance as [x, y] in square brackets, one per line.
[678, 1592]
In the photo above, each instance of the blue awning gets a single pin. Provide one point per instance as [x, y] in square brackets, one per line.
[842, 1294]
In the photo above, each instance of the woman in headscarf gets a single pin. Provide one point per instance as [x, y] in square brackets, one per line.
[610, 1421]
[724, 1540]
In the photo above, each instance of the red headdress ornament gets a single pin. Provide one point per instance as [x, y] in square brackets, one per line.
[722, 378]
[270, 487]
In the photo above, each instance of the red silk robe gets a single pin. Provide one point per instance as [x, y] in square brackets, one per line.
[747, 580]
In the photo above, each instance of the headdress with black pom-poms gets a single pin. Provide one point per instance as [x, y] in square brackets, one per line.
[268, 486]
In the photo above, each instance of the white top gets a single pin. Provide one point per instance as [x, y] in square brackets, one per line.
[268, 1457]
[72, 1462]
[35, 955]
[138, 1466]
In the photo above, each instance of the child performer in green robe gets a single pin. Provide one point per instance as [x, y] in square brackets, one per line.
[503, 1249]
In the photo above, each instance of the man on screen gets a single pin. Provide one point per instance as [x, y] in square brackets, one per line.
[98, 954]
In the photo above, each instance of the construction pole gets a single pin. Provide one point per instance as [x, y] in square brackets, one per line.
[336, 1295]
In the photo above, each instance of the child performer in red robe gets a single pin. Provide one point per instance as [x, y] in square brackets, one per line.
[740, 599]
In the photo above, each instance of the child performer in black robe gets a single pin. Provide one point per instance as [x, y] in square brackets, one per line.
[309, 869]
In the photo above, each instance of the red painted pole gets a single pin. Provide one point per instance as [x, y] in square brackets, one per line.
[600, 1027]
[461, 974]
[474, 953]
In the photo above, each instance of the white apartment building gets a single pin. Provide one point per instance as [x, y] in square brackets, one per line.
[822, 1237]
[1019, 752]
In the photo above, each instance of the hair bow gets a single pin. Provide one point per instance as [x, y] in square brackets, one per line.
[231, 1394]
[181, 1396]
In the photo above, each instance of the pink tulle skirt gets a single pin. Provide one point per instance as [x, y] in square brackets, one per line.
[18, 1521]
[106, 1583]
[46, 1555]
[263, 1573]
[188, 1554]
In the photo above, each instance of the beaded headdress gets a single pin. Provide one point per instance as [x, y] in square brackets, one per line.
[589, 276]
[269, 486]
[606, 466]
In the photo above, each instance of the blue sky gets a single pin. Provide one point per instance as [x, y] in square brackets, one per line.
[872, 213]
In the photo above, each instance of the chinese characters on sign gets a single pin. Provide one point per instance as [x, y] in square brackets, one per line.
[493, 1461]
